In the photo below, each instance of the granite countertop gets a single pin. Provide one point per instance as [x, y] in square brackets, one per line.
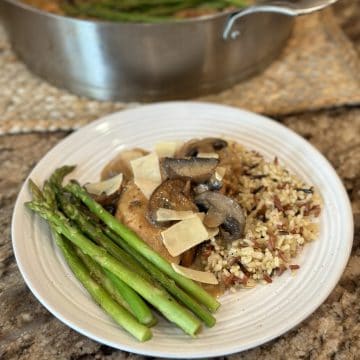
[29, 331]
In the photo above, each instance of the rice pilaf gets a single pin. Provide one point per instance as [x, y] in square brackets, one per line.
[282, 216]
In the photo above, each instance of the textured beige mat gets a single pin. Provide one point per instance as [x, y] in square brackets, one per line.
[319, 68]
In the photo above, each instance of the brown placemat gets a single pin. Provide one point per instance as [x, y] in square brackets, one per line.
[319, 68]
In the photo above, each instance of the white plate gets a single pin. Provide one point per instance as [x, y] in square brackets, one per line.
[245, 319]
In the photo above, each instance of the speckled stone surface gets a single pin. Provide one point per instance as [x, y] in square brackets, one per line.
[28, 331]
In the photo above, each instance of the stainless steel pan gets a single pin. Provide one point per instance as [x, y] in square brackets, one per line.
[145, 62]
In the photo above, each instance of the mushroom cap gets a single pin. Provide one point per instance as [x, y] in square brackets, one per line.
[206, 145]
[222, 211]
[196, 169]
[132, 211]
[170, 194]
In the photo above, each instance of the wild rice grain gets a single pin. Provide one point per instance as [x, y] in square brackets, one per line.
[282, 216]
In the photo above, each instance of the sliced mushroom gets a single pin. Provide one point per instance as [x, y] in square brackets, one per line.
[195, 146]
[173, 194]
[196, 169]
[132, 211]
[222, 211]
[170, 195]
[121, 164]
[214, 183]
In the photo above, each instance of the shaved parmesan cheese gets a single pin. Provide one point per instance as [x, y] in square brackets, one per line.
[170, 215]
[207, 155]
[220, 173]
[184, 235]
[167, 148]
[175, 215]
[107, 187]
[200, 276]
[146, 170]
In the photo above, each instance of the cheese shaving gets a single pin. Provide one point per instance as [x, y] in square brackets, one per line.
[106, 187]
[171, 215]
[167, 148]
[208, 155]
[146, 170]
[184, 235]
[200, 276]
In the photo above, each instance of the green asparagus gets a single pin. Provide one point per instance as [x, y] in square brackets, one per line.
[137, 306]
[97, 273]
[102, 297]
[35, 192]
[116, 311]
[144, 10]
[135, 302]
[119, 291]
[159, 298]
[96, 234]
[168, 283]
[58, 175]
[141, 247]
[73, 212]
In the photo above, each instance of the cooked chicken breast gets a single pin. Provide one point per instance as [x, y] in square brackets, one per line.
[132, 211]
[120, 164]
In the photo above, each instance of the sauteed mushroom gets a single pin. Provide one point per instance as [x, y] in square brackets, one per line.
[132, 211]
[170, 195]
[207, 145]
[195, 169]
[212, 184]
[224, 212]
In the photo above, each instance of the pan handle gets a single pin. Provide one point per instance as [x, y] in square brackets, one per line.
[292, 8]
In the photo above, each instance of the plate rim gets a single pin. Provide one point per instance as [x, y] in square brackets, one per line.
[265, 339]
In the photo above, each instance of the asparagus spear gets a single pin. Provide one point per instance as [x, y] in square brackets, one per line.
[138, 306]
[110, 306]
[49, 195]
[159, 298]
[102, 12]
[71, 208]
[95, 233]
[141, 10]
[115, 310]
[141, 247]
[168, 283]
[97, 273]
[73, 212]
[121, 292]
[154, 8]
[36, 193]
[58, 175]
